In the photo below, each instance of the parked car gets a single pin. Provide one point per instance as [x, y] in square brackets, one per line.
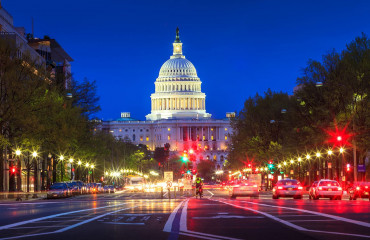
[311, 190]
[327, 188]
[287, 188]
[96, 188]
[75, 187]
[109, 189]
[359, 190]
[58, 190]
[244, 188]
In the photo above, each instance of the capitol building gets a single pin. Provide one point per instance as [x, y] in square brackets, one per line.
[178, 115]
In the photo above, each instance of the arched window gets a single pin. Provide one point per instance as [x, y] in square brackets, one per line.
[133, 138]
[222, 158]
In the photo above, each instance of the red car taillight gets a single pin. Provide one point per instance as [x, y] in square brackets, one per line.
[357, 188]
[320, 188]
[339, 189]
[300, 188]
[280, 188]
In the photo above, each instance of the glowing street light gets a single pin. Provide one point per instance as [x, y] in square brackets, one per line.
[299, 159]
[291, 161]
[284, 163]
[92, 166]
[61, 157]
[87, 165]
[79, 162]
[308, 157]
[279, 166]
[17, 152]
[71, 160]
[34, 154]
[341, 150]
[318, 154]
[330, 152]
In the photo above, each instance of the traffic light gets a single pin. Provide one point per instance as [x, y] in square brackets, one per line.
[184, 157]
[13, 169]
[194, 171]
[348, 167]
[188, 172]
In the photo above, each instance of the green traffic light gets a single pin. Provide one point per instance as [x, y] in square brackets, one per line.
[184, 159]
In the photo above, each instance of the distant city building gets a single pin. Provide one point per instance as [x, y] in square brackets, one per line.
[57, 60]
[178, 115]
[17, 34]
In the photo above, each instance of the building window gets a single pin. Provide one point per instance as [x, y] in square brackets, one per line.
[141, 130]
[133, 138]
[225, 129]
[214, 157]
[211, 129]
[147, 130]
[120, 130]
[126, 130]
[133, 130]
[169, 137]
[141, 138]
[169, 129]
[225, 137]
[212, 138]
[204, 138]
[147, 139]
[207, 157]
[222, 158]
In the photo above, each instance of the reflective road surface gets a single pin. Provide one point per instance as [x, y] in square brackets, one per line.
[128, 215]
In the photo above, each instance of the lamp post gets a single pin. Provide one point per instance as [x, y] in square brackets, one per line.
[79, 170]
[35, 171]
[61, 158]
[330, 152]
[71, 162]
[18, 184]
[87, 171]
[92, 166]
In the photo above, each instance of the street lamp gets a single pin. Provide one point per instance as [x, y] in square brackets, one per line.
[71, 161]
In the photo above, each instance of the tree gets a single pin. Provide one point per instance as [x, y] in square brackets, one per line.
[206, 169]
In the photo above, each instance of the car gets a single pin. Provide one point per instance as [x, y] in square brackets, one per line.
[244, 189]
[287, 188]
[58, 190]
[327, 188]
[75, 187]
[111, 189]
[359, 190]
[311, 190]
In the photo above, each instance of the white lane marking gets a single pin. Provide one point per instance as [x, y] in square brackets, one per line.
[309, 220]
[297, 215]
[267, 215]
[41, 227]
[33, 203]
[365, 224]
[227, 216]
[28, 235]
[91, 219]
[183, 217]
[168, 225]
[337, 233]
[294, 226]
[223, 213]
[54, 215]
[198, 234]
[124, 223]
[12, 208]
[211, 194]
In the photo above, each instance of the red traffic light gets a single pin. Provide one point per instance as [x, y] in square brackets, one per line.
[339, 138]
[13, 169]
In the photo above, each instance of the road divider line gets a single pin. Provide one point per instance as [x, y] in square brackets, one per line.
[183, 217]
[171, 218]
[211, 194]
[197, 234]
[54, 215]
[338, 233]
[364, 224]
[91, 219]
[267, 215]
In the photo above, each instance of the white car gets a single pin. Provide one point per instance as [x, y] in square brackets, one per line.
[244, 189]
[327, 188]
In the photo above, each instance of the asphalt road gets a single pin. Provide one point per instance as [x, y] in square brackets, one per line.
[145, 216]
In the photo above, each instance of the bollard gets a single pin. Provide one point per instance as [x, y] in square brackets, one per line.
[169, 194]
[161, 192]
[175, 191]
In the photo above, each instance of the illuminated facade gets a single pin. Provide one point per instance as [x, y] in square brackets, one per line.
[178, 115]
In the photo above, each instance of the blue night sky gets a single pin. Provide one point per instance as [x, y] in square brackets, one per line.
[239, 48]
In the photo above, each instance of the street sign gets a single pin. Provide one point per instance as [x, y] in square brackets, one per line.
[169, 184]
[168, 176]
[329, 164]
[361, 168]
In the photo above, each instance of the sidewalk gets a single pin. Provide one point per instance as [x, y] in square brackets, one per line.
[21, 196]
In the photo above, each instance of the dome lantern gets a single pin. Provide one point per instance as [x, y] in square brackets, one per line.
[177, 45]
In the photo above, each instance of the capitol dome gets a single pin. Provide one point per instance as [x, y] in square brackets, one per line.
[177, 67]
[178, 89]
